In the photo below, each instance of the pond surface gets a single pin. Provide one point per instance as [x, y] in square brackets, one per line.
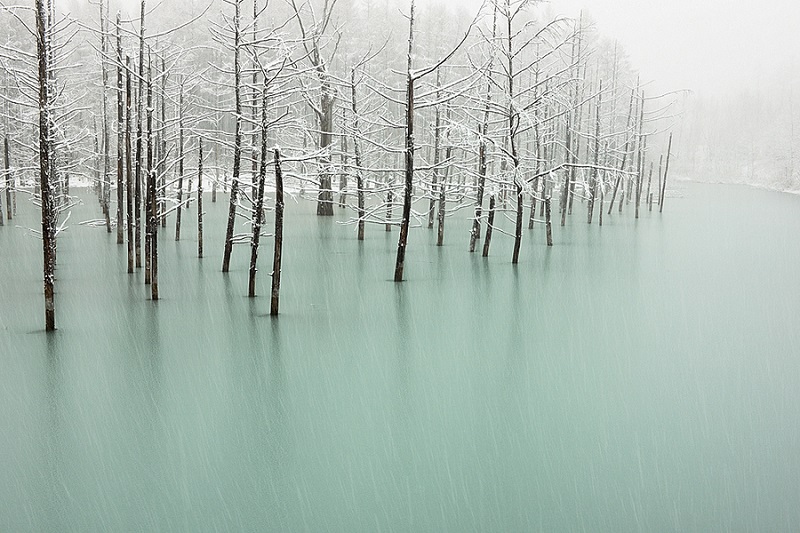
[642, 376]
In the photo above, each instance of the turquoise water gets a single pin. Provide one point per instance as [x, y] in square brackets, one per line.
[642, 376]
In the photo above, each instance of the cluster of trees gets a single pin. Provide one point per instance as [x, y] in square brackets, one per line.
[510, 111]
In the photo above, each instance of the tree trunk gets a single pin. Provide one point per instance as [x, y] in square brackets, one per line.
[237, 143]
[9, 179]
[442, 207]
[106, 125]
[276, 261]
[357, 154]
[120, 139]
[666, 171]
[200, 198]
[595, 171]
[179, 208]
[437, 135]
[325, 197]
[405, 220]
[624, 153]
[139, 134]
[489, 227]
[258, 212]
[48, 215]
[548, 221]
[128, 169]
[152, 193]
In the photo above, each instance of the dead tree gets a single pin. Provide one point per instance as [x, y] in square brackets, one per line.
[276, 260]
[664, 181]
[200, 197]
[45, 185]
[258, 215]
[357, 156]
[237, 142]
[106, 184]
[139, 135]
[179, 207]
[594, 175]
[128, 163]
[9, 179]
[120, 137]
[313, 34]
[412, 76]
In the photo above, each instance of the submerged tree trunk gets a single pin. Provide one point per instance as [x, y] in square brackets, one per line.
[179, 208]
[548, 222]
[258, 212]
[139, 133]
[276, 261]
[405, 220]
[237, 143]
[200, 197]
[48, 214]
[595, 171]
[666, 171]
[128, 169]
[9, 179]
[152, 193]
[489, 227]
[106, 126]
[120, 139]
[624, 153]
[357, 154]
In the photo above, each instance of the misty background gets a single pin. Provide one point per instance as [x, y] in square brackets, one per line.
[736, 64]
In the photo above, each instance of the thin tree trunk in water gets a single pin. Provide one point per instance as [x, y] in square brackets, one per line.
[152, 192]
[128, 169]
[276, 261]
[9, 179]
[568, 170]
[120, 139]
[649, 196]
[640, 174]
[666, 171]
[602, 196]
[180, 166]
[548, 222]
[409, 177]
[443, 191]
[389, 203]
[106, 126]
[658, 187]
[258, 214]
[475, 233]
[254, 112]
[442, 206]
[489, 227]
[162, 160]
[640, 157]
[483, 132]
[237, 143]
[48, 216]
[437, 129]
[345, 159]
[200, 198]
[595, 172]
[624, 153]
[139, 133]
[357, 154]
[216, 174]
[325, 197]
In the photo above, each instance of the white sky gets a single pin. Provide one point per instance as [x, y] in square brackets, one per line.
[710, 46]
